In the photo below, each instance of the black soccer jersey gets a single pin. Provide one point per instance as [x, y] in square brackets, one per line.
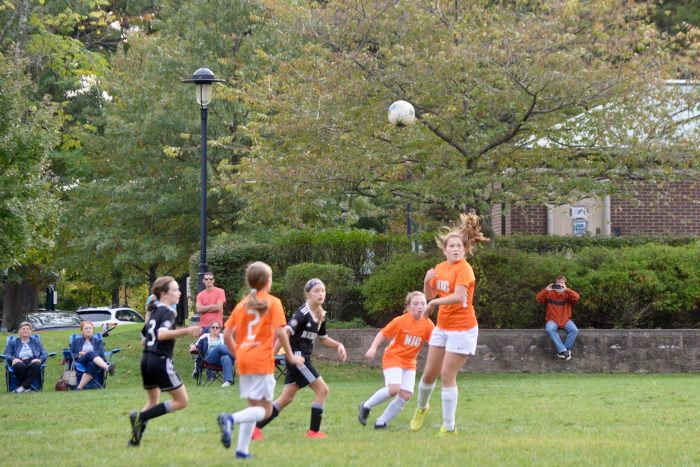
[304, 331]
[162, 317]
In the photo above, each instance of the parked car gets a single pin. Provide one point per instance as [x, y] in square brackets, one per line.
[108, 317]
[51, 320]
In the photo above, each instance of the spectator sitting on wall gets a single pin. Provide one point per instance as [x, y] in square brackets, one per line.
[560, 300]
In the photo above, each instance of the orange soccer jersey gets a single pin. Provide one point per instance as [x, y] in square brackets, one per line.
[255, 335]
[408, 336]
[457, 316]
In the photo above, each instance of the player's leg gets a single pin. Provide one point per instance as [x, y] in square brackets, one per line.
[321, 391]
[404, 391]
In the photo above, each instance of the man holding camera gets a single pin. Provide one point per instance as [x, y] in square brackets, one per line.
[560, 301]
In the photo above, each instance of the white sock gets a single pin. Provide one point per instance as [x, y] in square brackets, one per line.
[245, 432]
[249, 414]
[377, 398]
[449, 407]
[246, 419]
[424, 392]
[392, 410]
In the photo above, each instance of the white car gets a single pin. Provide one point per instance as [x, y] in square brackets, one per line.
[109, 318]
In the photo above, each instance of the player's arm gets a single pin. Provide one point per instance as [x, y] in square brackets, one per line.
[458, 296]
[229, 340]
[283, 339]
[334, 344]
[372, 351]
[166, 334]
[428, 289]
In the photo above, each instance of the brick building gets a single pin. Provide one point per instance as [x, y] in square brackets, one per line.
[672, 208]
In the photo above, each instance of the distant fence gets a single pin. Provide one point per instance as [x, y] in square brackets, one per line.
[531, 351]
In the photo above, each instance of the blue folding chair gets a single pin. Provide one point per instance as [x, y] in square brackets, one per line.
[97, 382]
[11, 380]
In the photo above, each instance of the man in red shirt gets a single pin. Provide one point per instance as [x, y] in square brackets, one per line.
[210, 303]
[560, 301]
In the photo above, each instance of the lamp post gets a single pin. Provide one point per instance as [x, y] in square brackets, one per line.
[203, 79]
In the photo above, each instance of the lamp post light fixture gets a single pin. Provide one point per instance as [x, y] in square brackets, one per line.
[203, 79]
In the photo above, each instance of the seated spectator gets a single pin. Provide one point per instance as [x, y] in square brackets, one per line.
[559, 301]
[90, 353]
[212, 348]
[26, 356]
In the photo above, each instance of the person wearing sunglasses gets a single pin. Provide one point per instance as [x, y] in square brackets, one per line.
[211, 347]
[210, 303]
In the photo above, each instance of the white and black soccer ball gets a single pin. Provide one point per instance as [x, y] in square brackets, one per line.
[402, 113]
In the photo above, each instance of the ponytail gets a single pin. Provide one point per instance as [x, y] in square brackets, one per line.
[255, 304]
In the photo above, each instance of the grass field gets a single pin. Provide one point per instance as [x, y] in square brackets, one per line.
[504, 419]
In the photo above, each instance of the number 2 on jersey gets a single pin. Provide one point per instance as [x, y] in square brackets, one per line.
[251, 323]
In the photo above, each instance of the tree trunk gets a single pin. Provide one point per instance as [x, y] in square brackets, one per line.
[115, 297]
[23, 11]
[20, 298]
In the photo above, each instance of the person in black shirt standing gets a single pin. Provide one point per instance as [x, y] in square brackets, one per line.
[157, 368]
[306, 324]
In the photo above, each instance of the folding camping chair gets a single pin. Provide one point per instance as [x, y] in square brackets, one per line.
[11, 380]
[97, 382]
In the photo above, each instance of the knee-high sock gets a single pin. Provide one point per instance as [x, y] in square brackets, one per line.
[392, 410]
[246, 419]
[156, 411]
[449, 407]
[377, 398]
[316, 416]
[275, 412]
[424, 393]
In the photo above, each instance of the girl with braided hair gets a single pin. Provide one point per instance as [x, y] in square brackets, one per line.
[449, 286]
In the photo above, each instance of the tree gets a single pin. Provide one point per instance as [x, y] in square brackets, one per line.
[489, 81]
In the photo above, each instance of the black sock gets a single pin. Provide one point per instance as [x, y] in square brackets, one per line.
[316, 416]
[153, 412]
[262, 423]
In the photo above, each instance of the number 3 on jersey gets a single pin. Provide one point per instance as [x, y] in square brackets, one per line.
[251, 323]
[151, 333]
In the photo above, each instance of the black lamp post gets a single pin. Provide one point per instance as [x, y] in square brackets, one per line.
[203, 79]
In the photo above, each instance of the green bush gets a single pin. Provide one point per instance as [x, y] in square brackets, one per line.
[339, 283]
[546, 243]
[385, 290]
[228, 263]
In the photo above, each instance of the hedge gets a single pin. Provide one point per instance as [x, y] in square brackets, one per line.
[624, 282]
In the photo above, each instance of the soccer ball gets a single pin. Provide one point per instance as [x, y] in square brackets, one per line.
[401, 113]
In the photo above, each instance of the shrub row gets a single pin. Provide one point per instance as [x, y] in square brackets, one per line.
[624, 282]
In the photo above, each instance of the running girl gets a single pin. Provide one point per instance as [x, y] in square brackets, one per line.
[408, 333]
[450, 286]
[307, 323]
[157, 368]
[250, 333]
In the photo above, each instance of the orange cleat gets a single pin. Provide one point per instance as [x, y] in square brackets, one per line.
[316, 434]
[257, 434]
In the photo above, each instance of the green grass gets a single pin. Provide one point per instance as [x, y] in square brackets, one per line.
[503, 419]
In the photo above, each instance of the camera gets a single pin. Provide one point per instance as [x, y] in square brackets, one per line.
[557, 287]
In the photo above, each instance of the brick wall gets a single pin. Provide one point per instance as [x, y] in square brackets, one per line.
[672, 209]
[531, 351]
[528, 220]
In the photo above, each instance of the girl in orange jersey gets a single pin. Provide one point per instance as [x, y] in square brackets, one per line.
[450, 287]
[250, 334]
[408, 333]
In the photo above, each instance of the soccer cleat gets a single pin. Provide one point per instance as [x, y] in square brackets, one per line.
[243, 455]
[316, 434]
[568, 355]
[137, 428]
[226, 424]
[418, 418]
[562, 355]
[362, 413]
[445, 432]
[257, 434]
[379, 426]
